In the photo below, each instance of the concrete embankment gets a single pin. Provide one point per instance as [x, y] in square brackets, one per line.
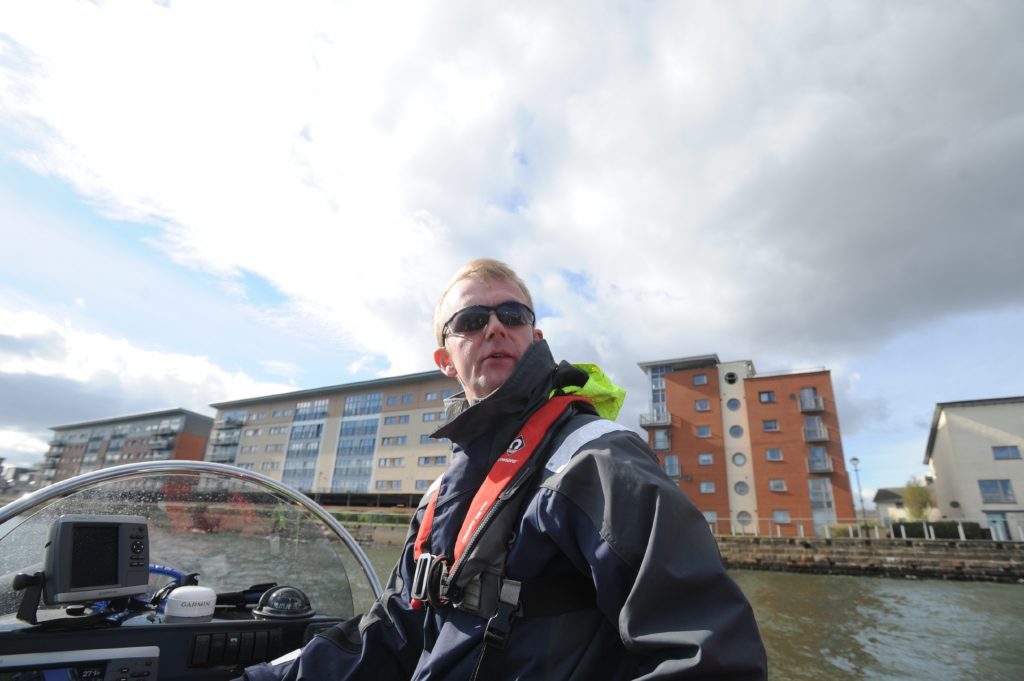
[989, 561]
[371, 533]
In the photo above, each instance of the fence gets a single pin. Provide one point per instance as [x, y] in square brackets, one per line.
[858, 528]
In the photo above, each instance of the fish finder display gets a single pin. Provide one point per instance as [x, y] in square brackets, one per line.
[100, 544]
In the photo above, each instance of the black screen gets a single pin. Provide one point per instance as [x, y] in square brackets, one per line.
[93, 556]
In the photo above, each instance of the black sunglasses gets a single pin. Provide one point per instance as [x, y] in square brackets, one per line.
[475, 317]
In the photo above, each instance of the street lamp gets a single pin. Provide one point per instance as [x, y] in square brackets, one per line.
[860, 495]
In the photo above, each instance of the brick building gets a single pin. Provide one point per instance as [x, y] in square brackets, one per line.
[91, 445]
[756, 453]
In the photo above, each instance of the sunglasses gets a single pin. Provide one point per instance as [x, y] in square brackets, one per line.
[475, 317]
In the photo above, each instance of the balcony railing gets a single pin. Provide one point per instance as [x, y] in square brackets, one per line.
[231, 423]
[819, 465]
[655, 419]
[160, 442]
[813, 403]
[819, 434]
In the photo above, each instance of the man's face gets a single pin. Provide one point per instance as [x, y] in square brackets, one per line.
[483, 360]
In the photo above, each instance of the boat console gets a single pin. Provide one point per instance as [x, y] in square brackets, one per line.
[170, 570]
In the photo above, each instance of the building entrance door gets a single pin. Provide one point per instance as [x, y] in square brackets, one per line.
[998, 525]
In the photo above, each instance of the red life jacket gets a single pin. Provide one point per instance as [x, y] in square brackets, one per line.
[486, 502]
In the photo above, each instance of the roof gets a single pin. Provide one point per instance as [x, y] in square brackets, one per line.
[885, 494]
[331, 389]
[684, 363]
[963, 403]
[132, 417]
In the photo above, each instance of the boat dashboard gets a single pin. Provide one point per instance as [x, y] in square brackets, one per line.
[169, 570]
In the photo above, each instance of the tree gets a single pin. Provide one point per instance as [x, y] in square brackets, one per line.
[917, 498]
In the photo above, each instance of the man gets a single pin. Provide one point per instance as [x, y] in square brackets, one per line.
[554, 547]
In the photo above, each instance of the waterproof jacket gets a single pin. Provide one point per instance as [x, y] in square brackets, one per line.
[664, 606]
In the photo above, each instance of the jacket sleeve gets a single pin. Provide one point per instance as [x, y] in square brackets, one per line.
[383, 644]
[657, 570]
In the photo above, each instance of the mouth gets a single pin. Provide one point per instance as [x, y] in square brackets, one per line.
[499, 356]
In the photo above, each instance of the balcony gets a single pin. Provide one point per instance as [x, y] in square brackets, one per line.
[816, 465]
[229, 438]
[160, 442]
[655, 419]
[819, 434]
[231, 422]
[812, 403]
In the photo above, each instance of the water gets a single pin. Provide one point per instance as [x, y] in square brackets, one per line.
[851, 628]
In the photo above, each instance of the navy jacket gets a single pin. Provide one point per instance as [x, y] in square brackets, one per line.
[665, 608]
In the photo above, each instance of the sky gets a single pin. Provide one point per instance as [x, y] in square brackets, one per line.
[206, 201]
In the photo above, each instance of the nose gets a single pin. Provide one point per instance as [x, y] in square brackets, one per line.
[494, 326]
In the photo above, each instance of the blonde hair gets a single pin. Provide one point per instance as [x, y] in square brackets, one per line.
[484, 270]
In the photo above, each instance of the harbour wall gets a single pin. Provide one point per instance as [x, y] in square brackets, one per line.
[971, 560]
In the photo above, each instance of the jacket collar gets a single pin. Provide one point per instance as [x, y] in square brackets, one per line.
[525, 390]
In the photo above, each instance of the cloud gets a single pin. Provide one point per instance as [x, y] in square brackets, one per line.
[52, 373]
[794, 185]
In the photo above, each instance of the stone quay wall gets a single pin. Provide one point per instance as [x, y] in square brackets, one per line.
[980, 560]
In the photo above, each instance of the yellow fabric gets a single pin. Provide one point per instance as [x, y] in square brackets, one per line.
[606, 396]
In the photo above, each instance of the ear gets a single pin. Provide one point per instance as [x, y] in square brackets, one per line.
[537, 335]
[444, 362]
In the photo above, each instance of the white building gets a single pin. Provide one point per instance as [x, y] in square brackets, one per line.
[974, 452]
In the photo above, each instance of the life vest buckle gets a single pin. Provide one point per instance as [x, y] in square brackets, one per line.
[430, 580]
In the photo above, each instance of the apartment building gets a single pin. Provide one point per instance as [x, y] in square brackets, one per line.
[757, 454]
[371, 436]
[974, 453]
[154, 436]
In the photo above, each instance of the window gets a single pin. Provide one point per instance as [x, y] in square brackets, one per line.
[733, 404]
[777, 485]
[393, 441]
[661, 441]
[672, 466]
[770, 425]
[315, 409]
[711, 516]
[780, 517]
[739, 458]
[1007, 452]
[741, 487]
[445, 394]
[270, 449]
[744, 518]
[773, 454]
[430, 416]
[707, 488]
[766, 396]
[702, 405]
[389, 484]
[700, 379]
[422, 485]
[253, 432]
[426, 439]
[432, 395]
[407, 398]
[996, 492]
[703, 431]
[392, 400]
[432, 461]
[392, 462]
[736, 431]
[705, 459]
[357, 405]
[392, 420]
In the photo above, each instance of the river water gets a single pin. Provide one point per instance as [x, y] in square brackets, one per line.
[844, 628]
